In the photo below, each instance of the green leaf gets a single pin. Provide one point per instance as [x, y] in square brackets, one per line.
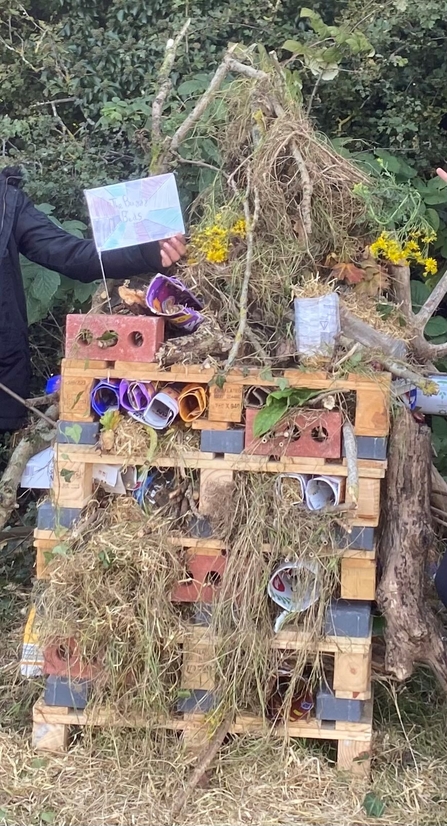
[48, 817]
[44, 285]
[437, 326]
[295, 47]
[270, 415]
[47, 209]
[295, 396]
[419, 294]
[73, 432]
[3, 815]
[283, 383]
[385, 310]
[373, 805]
[439, 426]
[67, 475]
[60, 550]
[433, 219]
[83, 292]
[436, 199]
[39, 762]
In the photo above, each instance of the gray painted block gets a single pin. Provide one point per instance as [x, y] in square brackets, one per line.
[329, 707]
[199, 702]
[87, 435]
[200, 528]
[360, 539]
[222, 441]
[49, 518]
[370, 447]
[61, 691]
[202, 613]
[348, 618]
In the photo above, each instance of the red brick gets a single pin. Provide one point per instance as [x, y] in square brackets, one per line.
[197, 588]
[127, 348]
[306, 445]
[62, 659]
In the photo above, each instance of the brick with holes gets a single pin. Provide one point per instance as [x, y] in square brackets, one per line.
[114, 337]
[312, 433]
[63, 659]
[204, 577]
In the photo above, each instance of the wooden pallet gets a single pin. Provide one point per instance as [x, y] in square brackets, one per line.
[52, 724]
[225, 404]
[357, 568]
[73, 487]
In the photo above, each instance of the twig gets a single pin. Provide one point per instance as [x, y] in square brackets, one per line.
[251, 225]
[402, 371]
[350, 443]
[165, 83]
[356, 346]
[46, 400]
[314, 92]
[204, 760]
[201, 105]
[307, 188]
[27, 404]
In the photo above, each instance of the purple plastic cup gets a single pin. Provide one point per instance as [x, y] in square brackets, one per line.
[168, 297]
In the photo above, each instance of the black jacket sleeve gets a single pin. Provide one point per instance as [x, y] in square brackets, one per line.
[50, 246]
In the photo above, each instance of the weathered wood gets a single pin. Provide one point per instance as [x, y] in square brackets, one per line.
[413, 634]
[358, 330]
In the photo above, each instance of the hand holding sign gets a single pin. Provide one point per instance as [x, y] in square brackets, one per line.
[172, 250]
[442, 174]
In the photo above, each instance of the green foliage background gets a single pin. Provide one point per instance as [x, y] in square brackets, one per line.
[77, 79]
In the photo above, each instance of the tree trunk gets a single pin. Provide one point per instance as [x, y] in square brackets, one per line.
[413, 633]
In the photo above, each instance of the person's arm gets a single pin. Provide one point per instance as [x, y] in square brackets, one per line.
[50, 246]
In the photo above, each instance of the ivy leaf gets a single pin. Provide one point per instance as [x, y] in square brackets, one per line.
[67, 475]
[373, 805]
[73, 432]
[348, 272]
[48, 817]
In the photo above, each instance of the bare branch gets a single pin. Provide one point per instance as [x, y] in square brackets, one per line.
[28, 404]
[251, 222]
[432, 303]
[307, 189]
[165, 83]
[350, 442]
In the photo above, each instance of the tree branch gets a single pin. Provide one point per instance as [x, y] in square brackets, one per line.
[28, 404]
[165, 83]
[33, 442]
[307, 189]
[251, 225]
[432, 303]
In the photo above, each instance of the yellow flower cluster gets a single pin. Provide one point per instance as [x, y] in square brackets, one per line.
[390, 249]
[213, 242]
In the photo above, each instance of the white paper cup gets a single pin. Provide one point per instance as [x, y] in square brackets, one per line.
[292, 592]
[323, 491]
[317, 324]
[435, 405]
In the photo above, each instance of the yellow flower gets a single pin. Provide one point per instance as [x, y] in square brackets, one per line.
[431, 266]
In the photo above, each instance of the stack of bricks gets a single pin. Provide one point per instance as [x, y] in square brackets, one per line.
[343, 709]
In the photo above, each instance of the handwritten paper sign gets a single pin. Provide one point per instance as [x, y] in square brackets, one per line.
[135, 212]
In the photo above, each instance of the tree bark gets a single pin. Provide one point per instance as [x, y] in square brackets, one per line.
[35, 439]
[413, 633]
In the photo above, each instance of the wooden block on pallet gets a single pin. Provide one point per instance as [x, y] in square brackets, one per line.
[75, 398]
[354, 756]
[352, 672]
[50, 737]
[73, 480]
[358, 579]
[198, 670]
[214, 484]
[44, 547]
[372, 412]
[225, 403]
[368, 505]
